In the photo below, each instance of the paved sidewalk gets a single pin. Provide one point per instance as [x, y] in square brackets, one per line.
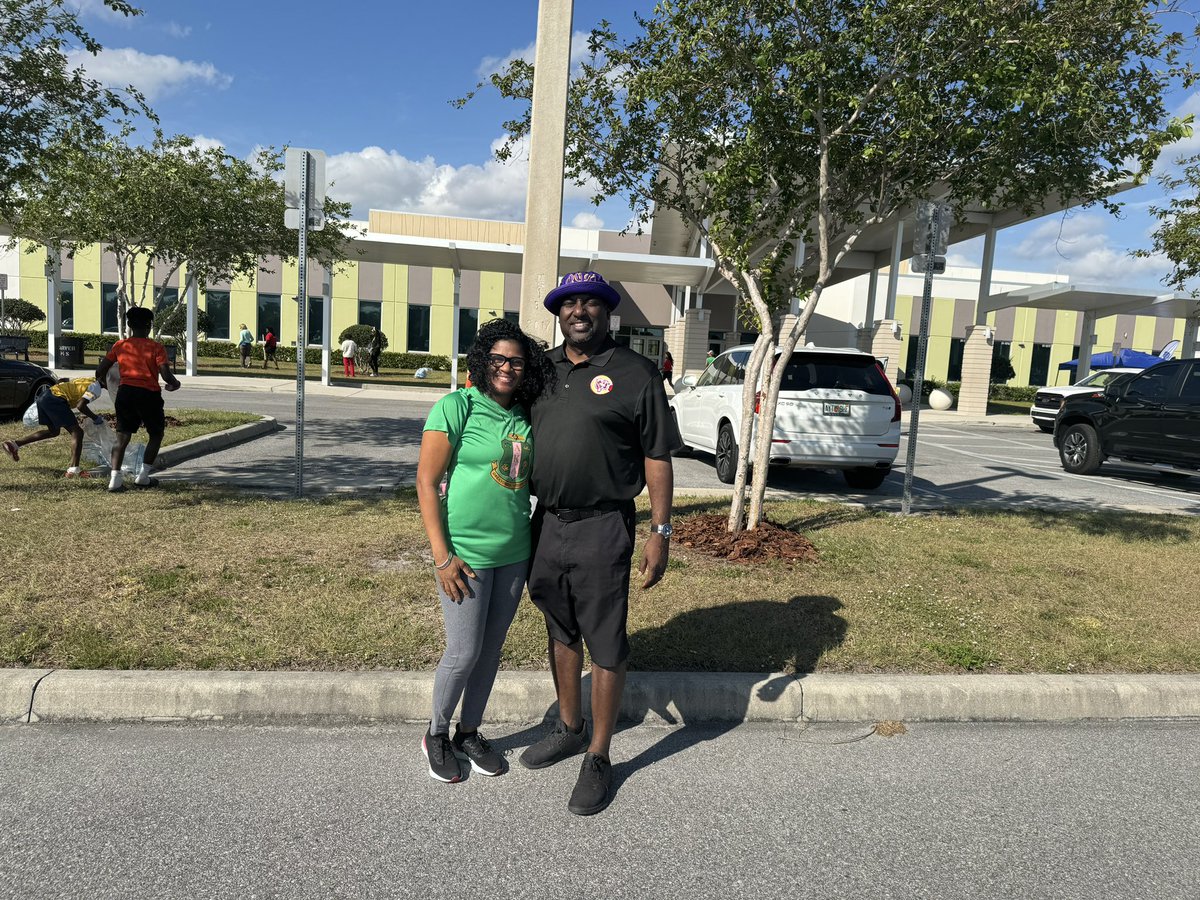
[47, 695]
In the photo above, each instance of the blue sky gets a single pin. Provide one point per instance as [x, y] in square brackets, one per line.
[370, 84]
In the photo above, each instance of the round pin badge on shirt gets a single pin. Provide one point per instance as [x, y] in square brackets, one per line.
[601, 384]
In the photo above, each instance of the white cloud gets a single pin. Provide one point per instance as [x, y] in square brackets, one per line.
[1081, 247]
[490, 65]
[374, 178]
[153, 74]
[207, 143]
[587, 220]
[175, 30]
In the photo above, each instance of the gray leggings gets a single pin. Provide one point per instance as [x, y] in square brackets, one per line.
[475, 632]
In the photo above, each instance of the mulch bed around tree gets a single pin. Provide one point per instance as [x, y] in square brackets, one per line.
[709, 534]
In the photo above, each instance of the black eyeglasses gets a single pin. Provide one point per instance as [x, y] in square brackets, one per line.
[496, 361]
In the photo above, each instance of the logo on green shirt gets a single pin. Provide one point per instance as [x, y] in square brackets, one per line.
[511, 470]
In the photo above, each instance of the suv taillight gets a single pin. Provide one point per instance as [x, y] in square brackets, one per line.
[895, 396]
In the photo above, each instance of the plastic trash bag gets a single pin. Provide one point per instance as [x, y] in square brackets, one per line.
[30, 419]
[98, 441]
[422, 372]
[132, 463]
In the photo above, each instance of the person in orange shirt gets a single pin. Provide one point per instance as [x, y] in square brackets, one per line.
[139, 401]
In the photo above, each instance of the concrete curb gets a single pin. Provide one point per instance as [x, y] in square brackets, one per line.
[219, 440]
[41, 695]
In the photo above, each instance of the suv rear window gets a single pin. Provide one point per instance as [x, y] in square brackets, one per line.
[807, 371]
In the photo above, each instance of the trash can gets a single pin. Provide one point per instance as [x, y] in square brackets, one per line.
[69, 353]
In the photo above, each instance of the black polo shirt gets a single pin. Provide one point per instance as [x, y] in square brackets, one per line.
[592, 434]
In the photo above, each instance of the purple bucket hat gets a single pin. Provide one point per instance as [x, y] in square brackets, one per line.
[582, 283]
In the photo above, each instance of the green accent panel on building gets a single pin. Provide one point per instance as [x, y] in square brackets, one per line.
[1143, 334]
[937, 356]
[345, 281]
[941, 323]
[243, 308]
[441, 329]
[87, 304]
[87, 265]
[906, 308]
[491, 296]
[395, 305]
[244, 283]
[1106, 333]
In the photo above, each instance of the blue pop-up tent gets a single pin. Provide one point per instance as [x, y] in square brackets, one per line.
[1127, 359]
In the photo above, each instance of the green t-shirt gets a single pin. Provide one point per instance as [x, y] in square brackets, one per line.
[486, 509]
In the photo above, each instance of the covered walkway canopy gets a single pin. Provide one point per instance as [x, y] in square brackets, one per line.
[1097, 302]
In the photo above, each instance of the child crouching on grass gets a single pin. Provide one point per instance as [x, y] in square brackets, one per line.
[56, 406]
[139, 400]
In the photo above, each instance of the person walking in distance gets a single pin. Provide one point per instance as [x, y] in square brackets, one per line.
[373, 350]
[139, 400]
[602, 434]
[270, 344]
[668, 367]
[349, 348]
[478, 533]
[245, 342]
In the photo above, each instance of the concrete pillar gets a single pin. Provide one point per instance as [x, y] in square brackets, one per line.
[326, 325]
[687, 340]
[1087, 343]
[889, 310]
[543, 200]
[872, 297]
[985, 275]
[1188, 347]
[191, 294]
[976, 372]
[53, 309]
[884, 340]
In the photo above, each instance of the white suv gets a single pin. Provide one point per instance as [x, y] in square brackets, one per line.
[837, 410]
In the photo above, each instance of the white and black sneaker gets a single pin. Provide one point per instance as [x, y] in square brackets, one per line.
[439, 753]
[474, 746]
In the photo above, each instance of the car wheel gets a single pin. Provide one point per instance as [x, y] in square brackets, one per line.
[33, 392]
[1049, 429]
[727, 455]
[684, 449]
[864, 478]
[1079, 450]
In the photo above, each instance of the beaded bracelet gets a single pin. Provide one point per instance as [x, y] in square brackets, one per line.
[446, 563]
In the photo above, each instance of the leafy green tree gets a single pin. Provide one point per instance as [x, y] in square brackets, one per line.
[171, 320]
[45, 105]
[19, 315]
[160, 207]
[362, 335]
[1178, 233]
[779, 130]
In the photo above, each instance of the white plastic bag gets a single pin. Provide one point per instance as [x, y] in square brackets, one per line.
[30, 419]
[98, 441]
[132, 463]
[422, 372]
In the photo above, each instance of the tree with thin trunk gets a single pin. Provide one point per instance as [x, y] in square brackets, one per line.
[173, 207]
[1177, 236]
[779, 130]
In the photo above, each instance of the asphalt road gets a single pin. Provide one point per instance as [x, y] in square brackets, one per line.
[367, 445]
[1084, 811]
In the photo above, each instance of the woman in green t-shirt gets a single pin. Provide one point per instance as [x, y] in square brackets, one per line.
[478, 531]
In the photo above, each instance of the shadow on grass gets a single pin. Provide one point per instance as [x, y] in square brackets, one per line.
[1127, 526]
[756, 636]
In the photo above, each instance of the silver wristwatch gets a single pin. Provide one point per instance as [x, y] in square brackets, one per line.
[665, 530]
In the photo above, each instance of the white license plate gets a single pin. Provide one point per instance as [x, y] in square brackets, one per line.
[836, 409]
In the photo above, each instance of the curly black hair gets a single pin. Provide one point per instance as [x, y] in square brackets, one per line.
[539, 376]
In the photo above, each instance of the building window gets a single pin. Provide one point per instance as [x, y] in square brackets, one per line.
[639, 339]
[370, 312]
[167, 298]
[1039, 364]
[418, 329]
[316, 321]
[468, 327]
[216, 304]
[268, 313]
[954, 365]
[108, 308]
[66, 306]
[910, 358]
[513, 317]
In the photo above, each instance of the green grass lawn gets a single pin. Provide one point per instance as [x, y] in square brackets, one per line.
[192, 576]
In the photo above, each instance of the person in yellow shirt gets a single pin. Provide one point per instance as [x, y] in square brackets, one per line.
[56, 406]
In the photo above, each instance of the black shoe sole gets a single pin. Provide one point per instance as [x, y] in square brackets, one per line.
[475, 767]
[550, 762]
[591, 810]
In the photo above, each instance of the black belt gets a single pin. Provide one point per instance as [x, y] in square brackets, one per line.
[588, 512]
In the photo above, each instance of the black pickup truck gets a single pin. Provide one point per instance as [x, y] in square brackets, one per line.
[1152, 420]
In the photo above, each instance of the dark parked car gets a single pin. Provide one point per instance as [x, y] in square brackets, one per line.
[1153, 419]
[19, 381]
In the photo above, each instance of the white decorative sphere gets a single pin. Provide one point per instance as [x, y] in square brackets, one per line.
[940, 398]
[905, 393]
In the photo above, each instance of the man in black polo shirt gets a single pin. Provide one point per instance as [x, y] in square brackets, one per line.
[603, 434]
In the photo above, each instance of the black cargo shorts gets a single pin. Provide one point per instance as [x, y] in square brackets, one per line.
[579, 577]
